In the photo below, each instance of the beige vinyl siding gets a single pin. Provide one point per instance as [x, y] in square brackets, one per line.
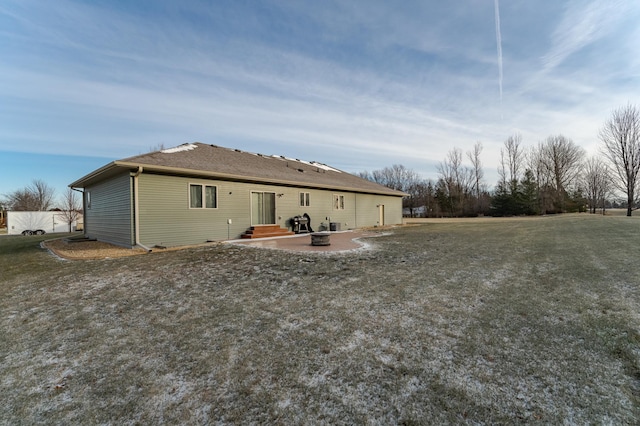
[288, 206]
[345, 217]
[167, 220]
[393, 210]
[361, 210]
[369, 213]
[367, 210]
[109, 218]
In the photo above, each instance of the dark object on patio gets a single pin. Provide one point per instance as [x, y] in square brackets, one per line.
[320, 239]
[300, 225]
[306, 216]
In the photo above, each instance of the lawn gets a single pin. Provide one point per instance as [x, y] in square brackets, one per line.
[480, 322]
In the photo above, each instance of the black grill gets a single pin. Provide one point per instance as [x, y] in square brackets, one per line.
[300, 224]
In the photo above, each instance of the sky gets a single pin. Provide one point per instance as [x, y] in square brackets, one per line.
[358, 85]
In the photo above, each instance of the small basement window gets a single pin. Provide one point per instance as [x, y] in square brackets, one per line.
[304, 199]
[203, 196]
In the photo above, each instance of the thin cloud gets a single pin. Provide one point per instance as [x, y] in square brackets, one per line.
[580, 26]
[499, 45]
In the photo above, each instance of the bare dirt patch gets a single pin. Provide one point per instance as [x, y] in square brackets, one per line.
[89, 249]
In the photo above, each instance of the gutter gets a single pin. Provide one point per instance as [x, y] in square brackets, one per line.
[81, 182]
[136, 211]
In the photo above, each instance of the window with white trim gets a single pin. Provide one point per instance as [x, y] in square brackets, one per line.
[203, 196]
[338, 202]
[304, 199]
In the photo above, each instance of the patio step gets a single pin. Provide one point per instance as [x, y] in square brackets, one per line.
[264, 231]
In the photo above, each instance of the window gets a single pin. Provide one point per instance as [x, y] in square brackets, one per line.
[338, 202]
[88, 195]
[195, 196]
[203, 196]
[304, 199]
[210, 199]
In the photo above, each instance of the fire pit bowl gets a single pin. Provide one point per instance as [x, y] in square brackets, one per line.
[320, 239]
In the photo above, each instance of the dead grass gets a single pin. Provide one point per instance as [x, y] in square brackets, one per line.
[71, 249]
[89, 249]
[510, 321]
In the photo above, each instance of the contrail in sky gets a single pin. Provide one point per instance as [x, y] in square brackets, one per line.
[499, 43]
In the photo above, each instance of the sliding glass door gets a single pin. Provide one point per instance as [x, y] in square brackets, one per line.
[263, 208]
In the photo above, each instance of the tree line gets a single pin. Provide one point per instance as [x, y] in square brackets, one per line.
[554, 176]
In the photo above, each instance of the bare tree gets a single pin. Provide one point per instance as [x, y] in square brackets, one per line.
[534, 162]
[561, 161]
[36, 197]
[621, 138]
[396, 177]
[425, 194]
[455, 183]
[596, 182]
[512, 158]
[400, 178]
[20, 200]
[478, 175]
[157, 147]
[476, 167]
[535, 165]
[44, 194]
[71, 207]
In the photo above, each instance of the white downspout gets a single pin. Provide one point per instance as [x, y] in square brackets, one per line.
[355, 210]
[136, 209]
[84, 212]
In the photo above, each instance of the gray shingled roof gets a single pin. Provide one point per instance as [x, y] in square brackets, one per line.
[198, 159]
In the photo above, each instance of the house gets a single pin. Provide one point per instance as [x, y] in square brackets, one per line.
[196, 193]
